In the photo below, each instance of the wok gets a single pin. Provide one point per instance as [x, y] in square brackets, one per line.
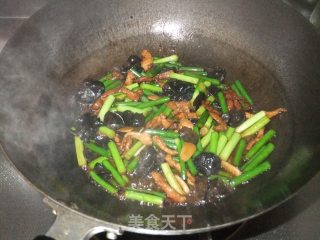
[271, 48]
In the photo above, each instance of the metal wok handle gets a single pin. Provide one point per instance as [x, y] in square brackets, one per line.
[72, 225]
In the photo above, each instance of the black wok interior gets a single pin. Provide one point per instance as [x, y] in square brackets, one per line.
[272, 49]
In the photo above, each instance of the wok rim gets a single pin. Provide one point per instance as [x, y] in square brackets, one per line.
[292, 193]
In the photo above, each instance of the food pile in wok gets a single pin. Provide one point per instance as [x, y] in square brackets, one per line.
[158, 131]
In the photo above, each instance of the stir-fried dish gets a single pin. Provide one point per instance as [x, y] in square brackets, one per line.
[157, 131]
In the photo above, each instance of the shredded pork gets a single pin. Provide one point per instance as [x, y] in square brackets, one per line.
[171, 193]
[159, 142]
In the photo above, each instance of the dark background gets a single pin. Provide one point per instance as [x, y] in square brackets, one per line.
[23, 215]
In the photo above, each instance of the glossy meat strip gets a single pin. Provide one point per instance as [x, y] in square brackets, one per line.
[159, 121]
[147, 60]
[228, 167]
[145, 138]
[172, 163]
[222, 126]
[255, 139]
[271, 114]
[159, 142]
[172, 194]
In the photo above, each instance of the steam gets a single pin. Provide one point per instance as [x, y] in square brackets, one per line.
[36, 110]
